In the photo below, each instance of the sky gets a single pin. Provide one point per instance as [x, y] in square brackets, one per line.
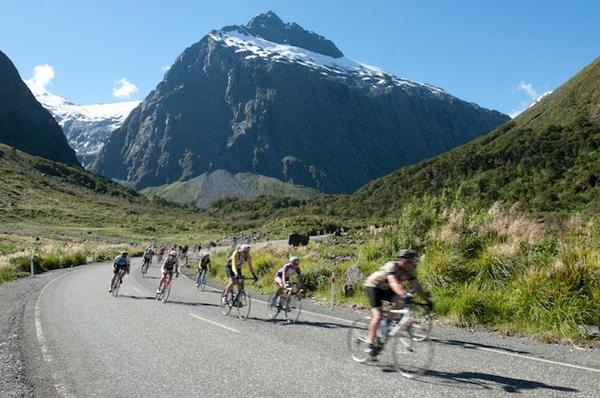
[500, 54]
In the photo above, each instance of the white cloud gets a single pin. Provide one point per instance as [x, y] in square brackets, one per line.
[528, 89]
[124, 88]
[166, 68]
[534, 98]
[42, 76]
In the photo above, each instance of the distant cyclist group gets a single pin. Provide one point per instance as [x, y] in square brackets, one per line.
[387, 284]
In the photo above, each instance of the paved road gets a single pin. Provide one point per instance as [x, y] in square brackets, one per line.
[80, 341]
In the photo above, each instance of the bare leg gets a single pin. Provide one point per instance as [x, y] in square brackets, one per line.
[375, 318]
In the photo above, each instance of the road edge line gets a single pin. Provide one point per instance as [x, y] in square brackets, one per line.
[59, 385]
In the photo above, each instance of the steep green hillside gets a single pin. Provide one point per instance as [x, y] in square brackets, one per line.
[207, 188]
[45, 199]
[547, 159]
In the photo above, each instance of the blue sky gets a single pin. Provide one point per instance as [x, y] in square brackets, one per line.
[499, 54]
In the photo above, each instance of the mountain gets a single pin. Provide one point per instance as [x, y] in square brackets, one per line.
[87, 127]
[205, 189]
[546, 159]
[24, 123]
[273, 99]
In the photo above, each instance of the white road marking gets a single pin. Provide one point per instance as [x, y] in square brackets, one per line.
[215, 323]
[59, 385]
[472, 346]
[512, 354]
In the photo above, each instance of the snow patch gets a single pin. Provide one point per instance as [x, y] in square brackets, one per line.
[341, 67]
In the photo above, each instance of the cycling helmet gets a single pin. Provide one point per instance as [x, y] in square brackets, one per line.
[173, 253]
[206, 254]
[124, 253]
[245, 248]
[408, 254]
[294, 260]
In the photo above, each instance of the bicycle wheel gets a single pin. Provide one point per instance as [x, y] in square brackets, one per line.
[293, 308]
[243, 305]
[166, 292]
[272, 307]
[357, 339]
[203, 281]
[116, 286]
[420, 328]
[412, 352]
[226, 304]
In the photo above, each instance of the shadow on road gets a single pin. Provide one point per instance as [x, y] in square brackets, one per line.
[170, 301]
[138, 297]
[471, 345]
[284, 322]
[486, 381]
[192, 304]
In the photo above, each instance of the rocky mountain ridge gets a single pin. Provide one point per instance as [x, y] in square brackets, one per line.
[86, 127]
[243, 99]
[24, 123]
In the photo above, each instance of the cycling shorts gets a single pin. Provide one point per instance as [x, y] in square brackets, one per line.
[230, 273]
[117, 268]
[279, 278]
[377, 296]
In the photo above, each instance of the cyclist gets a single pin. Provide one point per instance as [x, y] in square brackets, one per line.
[120, 262]
[203, 267]
[170, 265]
[233, 268]
[161, 252]
[147, 258]
[183, 249]
[386, 284]
[282, 277]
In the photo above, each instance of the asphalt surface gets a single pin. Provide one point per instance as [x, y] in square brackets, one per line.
[78, 340]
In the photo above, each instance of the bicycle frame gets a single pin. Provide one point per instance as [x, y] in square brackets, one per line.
[406, 318]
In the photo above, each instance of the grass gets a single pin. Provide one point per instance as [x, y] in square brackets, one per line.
[503, 270]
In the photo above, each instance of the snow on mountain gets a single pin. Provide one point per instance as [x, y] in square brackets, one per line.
[86, 127]
[334, 67]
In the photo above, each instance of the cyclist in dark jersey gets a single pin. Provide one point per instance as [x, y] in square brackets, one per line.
[120, 262]
[386, 284]
[203, 267]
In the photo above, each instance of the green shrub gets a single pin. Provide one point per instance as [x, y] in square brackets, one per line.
[317, 278]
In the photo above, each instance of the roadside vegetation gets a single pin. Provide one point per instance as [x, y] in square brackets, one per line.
[497, 267]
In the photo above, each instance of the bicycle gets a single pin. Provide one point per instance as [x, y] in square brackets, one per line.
[237, 298]
[118, 280]
[289, 302]
[185, 259]
[145, 266]
[201, 280]
[410, 332]
[166, 288]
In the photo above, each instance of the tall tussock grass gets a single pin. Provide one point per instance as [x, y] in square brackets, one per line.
[495, 267]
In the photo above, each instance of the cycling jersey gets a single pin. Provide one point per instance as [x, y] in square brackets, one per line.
[378, 279]
[148, 255]
[204, 263]
[237, 260]
[121, 261]
[170, 264]
[286, 271]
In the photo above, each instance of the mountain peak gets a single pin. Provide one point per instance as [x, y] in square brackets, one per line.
[269, 26]
[266, 20]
